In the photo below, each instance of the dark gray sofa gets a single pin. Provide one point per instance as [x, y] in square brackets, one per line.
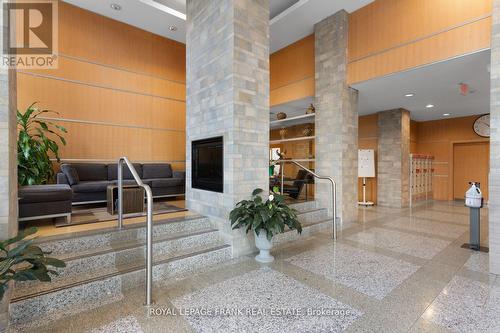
[44, 201]
[89, 181]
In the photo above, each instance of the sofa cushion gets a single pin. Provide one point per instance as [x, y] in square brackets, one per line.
[92, 186]
[44, 193]
[127, 182]
[156, 170]
[113, 171]
[70, 173]
[167, 182]
[90, 171]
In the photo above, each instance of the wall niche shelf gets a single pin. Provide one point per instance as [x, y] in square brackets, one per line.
[292, 121]
[299, 160]
[302, 138]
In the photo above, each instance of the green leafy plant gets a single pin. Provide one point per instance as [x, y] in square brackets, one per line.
[270, 216]
[20, 260]
[34, 146]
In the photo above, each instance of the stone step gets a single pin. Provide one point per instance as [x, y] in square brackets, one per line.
[121, 254]
[308, 229]
[82, 243]
[312, 215]
[104, 286]
[306, 205]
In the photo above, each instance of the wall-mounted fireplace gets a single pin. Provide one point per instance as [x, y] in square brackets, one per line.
[207, 169]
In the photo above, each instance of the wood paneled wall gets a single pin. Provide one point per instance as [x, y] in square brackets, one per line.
[389, 36]
[119, 90]
[292, 72]
[368, 139]
[437, 138]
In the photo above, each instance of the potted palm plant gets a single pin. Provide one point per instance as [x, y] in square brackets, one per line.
[266, 218]
[20, 260]
[35, 146]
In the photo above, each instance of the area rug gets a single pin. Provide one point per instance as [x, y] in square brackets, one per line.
[100, 214]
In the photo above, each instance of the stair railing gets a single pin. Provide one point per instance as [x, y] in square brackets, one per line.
[149, 225]
[332, 181]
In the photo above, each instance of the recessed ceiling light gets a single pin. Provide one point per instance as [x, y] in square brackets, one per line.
[172, 28]
[409, 95]
[429, 106]
[116, 6]
[446, 114]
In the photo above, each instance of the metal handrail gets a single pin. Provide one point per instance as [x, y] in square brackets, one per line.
[332, 181]
[149, 225]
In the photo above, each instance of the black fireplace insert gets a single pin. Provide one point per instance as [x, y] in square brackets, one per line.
[207, 169]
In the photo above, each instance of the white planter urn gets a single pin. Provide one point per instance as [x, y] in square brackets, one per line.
[264, 245]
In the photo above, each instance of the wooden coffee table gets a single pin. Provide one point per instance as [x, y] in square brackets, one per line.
[133, 199]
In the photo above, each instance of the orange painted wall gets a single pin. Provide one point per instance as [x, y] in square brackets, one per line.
[292, 72]
[120, 90]
[437, 138]
[388, 36]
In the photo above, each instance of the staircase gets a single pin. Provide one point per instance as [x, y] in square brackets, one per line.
[105, 263]
[313, 220]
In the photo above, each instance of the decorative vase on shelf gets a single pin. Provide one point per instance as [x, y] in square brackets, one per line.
[311, 109]
[308, 131]
[283, 133]
[271, 170]
[281, 116]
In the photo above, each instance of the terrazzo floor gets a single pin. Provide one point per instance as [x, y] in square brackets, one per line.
[392, 271]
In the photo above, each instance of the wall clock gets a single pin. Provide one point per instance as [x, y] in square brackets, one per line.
[482, 126]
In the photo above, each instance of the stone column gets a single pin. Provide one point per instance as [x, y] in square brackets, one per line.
[336, 118]
[228, 95]
[8, 159]
[393, 177]
[8, 146]
[494, 181]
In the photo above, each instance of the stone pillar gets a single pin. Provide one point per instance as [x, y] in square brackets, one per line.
[393, 177]
[8, 160]
[336, 118]
[8, 146]
[494, 181]
[228, 95]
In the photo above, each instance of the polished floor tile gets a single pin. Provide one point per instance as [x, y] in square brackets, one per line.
[260, 296]
[428, 227]
[442, 216]
[418, 246]
[123, 325]
[478, 262]
[393, 270]
[466, 305]
[372, 274]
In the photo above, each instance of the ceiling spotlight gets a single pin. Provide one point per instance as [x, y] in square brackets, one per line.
[172, 28]
[115, 6]
[409, 95]
[429, 106]
[446, 114]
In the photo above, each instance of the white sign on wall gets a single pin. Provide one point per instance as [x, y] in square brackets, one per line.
[366, 163]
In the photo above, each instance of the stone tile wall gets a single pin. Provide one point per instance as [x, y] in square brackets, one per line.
[8, 147]
[494, 181]
[393, 158]
[228, 95]
[336, 118]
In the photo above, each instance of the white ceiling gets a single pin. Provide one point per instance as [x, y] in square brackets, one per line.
[436, 84]
[291, 20]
